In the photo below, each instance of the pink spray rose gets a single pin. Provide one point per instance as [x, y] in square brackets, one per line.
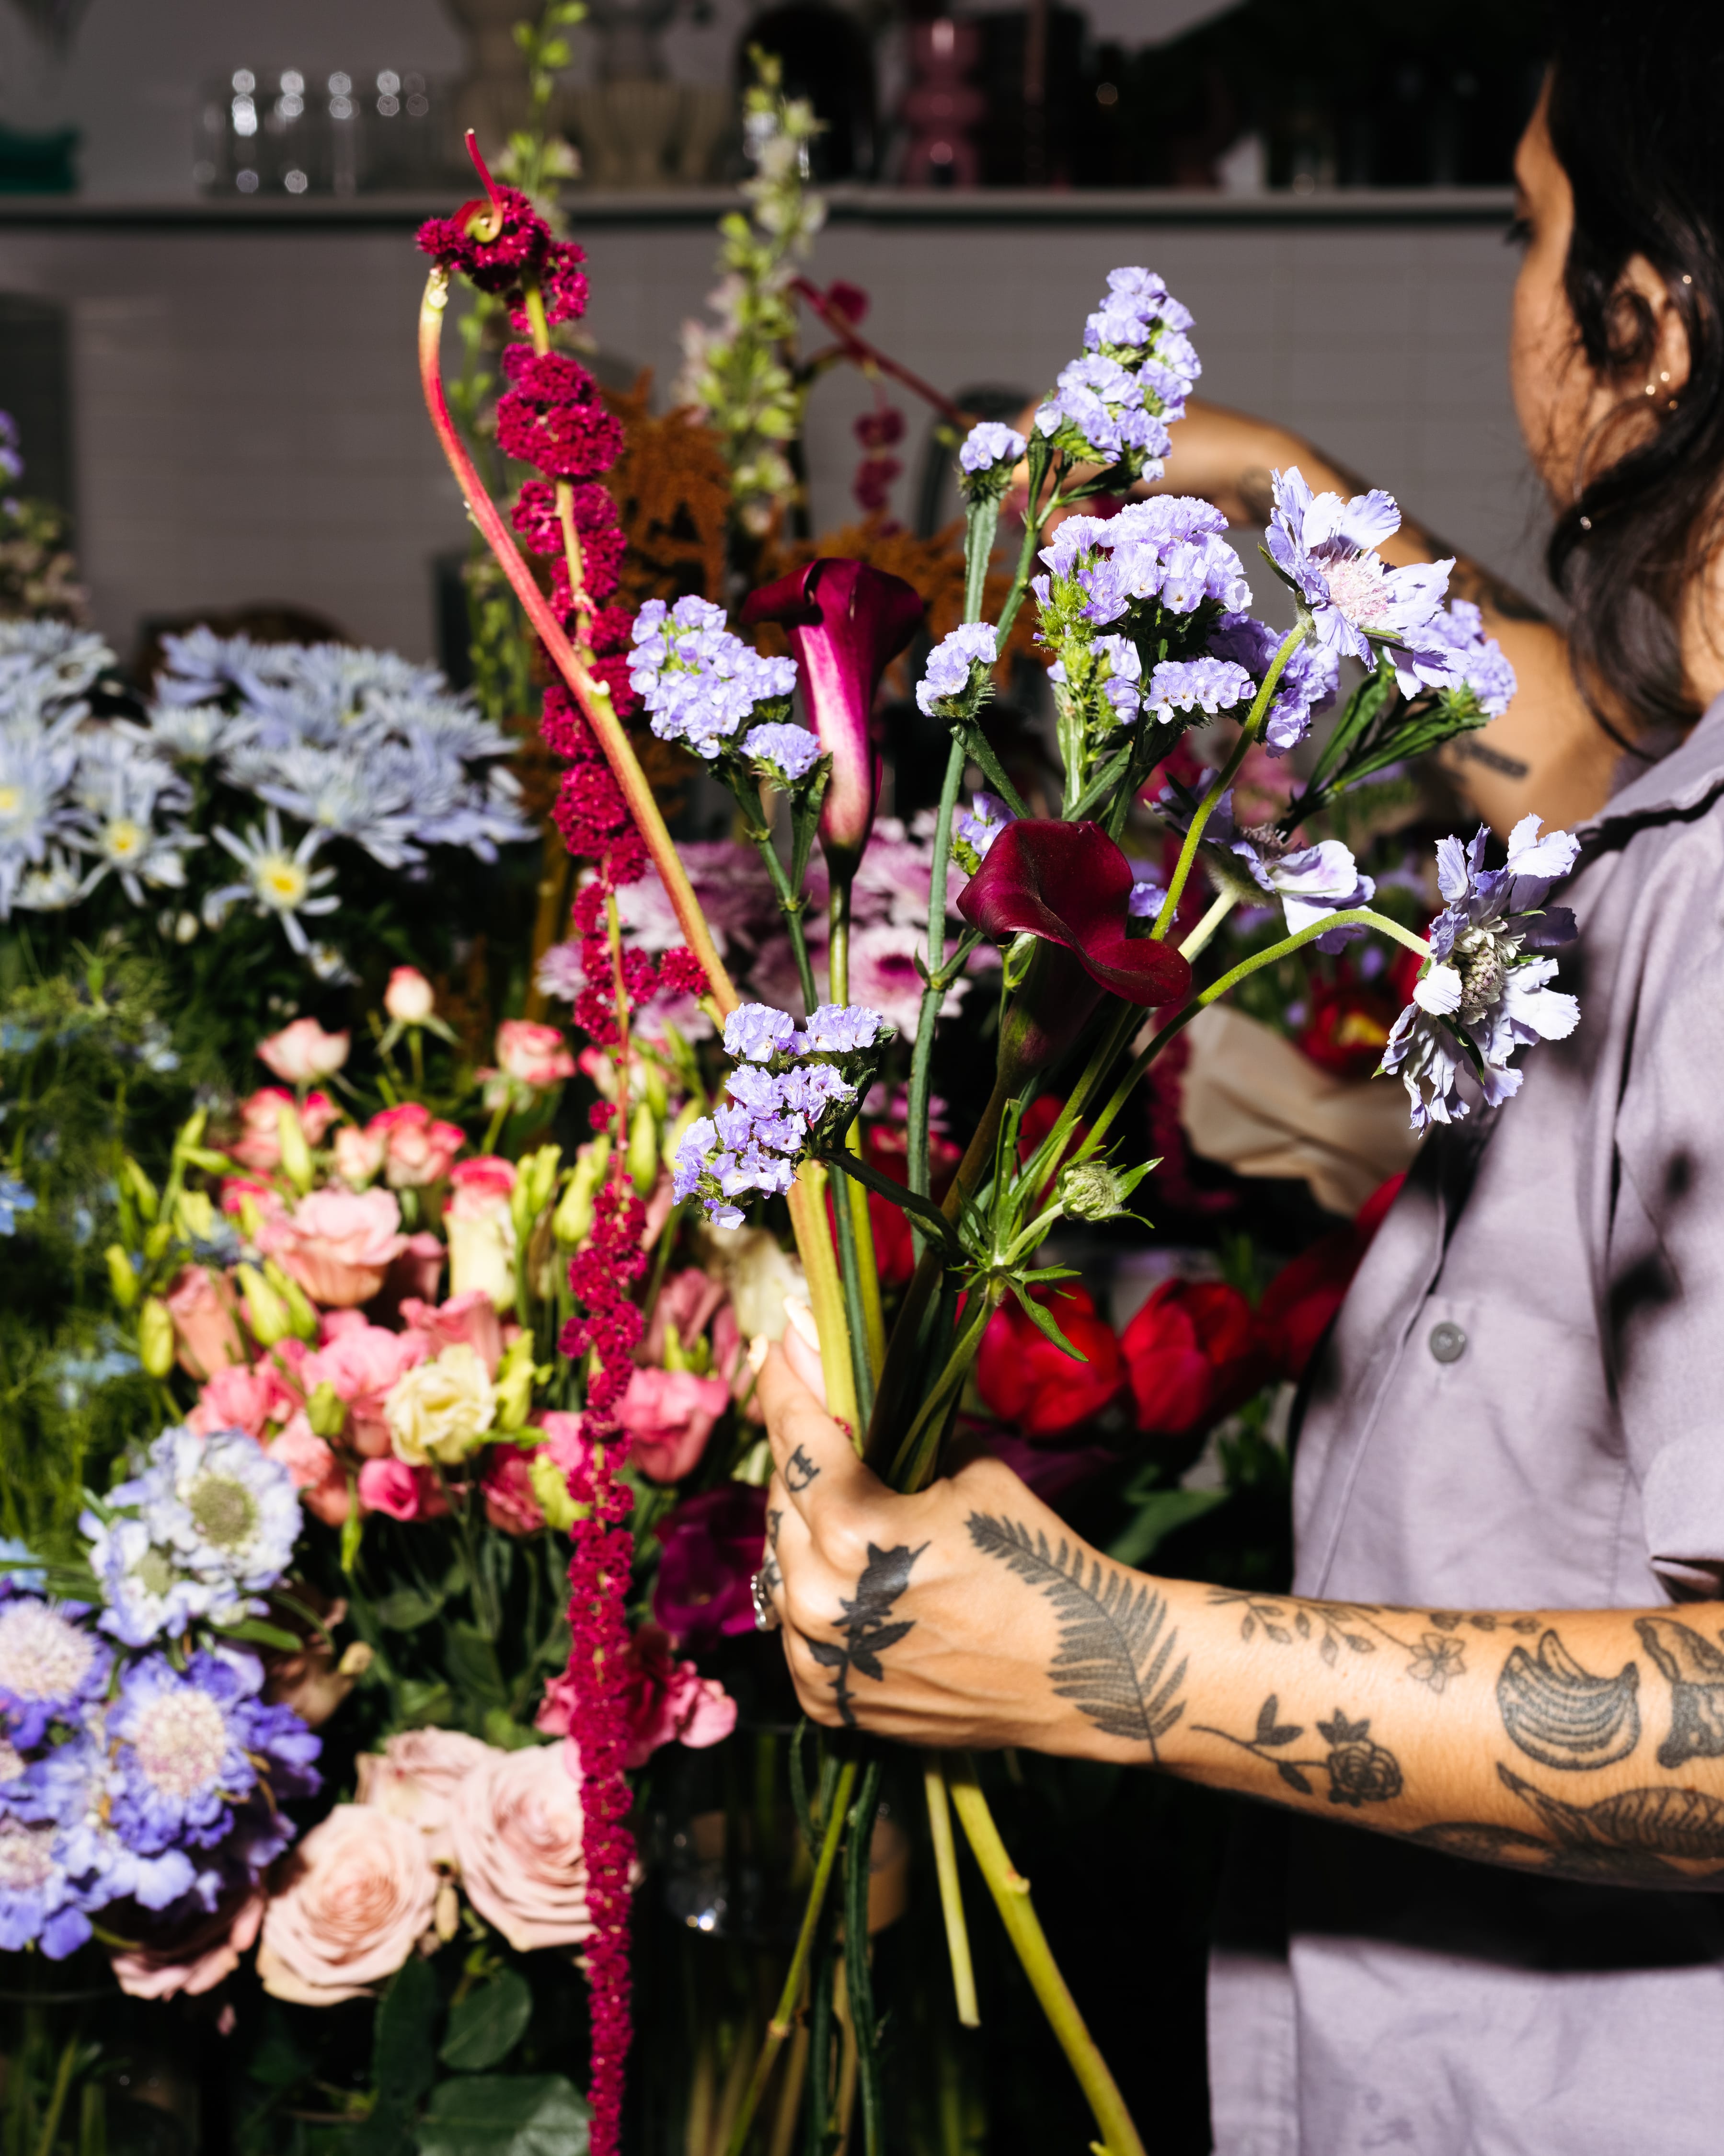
[194, 1956]
[408, 998]
[239, 1397]
[303, 1051]
[507, 1482]
[337, 1244]
[317, 1475]
[533, 1055]
[669, 1702]
[258, 1145]
[362, 1362]
[516, 1825]
[203, 1307]
[688, 1301]
[418, 1149]
[359, 1894]
[359, 1154]
[469, 1320]
[405, 1493]
[670, 1414]
[415, 1777]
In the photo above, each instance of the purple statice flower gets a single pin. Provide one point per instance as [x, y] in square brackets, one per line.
[950, 672]
[987, 456]
[699, 682]
[53, 1665]
[975, 829]
[1485, 993]
[1197, 685]
[1146, 900]
[1324, 547]
[1169, 548]
[789, 753]
[219, 1508]
[1122, 684]
[1140, 326]
[1306, 685]
[755, 1033]
[842, 1028]
[182, 1746]
[1454, 638]
[1097, 412]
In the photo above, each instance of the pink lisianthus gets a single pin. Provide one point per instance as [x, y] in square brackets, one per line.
[533, 1055]
[516, 1825]
[204, 1311]
[669, 1414]
[713, 1544]
[403, 1492]
[418, 1149]
[362, 1362]
[669, 1701]
[480, 1228]
[359, 1154]
[408, 999]
[303, 1051]
[317, 1475]
[564, 1441]
[194, 1956]
[415, 1777]
[507, 1484]
[358, 1897]
[240, 1191]
[337, 1244]
[239, 1397]
[469, 1320]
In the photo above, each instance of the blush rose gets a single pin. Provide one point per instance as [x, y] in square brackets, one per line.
[360, 1893]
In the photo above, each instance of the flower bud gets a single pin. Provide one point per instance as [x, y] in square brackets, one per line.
[535, 1186]
[573, 1222]
[122, 1279]
[190, 1134]
[514, 1385]
[326, 1411]
[551, 1487]
[296, 1153]
[142, 1190]
[157, 1241]
[301, 1316]
[265, 1312]
[156, 1338]
[1092, 1191]
[408, 998]
[643, 1149]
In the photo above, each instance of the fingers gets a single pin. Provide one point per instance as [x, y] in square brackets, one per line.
[801, 1348]
[815, 1461]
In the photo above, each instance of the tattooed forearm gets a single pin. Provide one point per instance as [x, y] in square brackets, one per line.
[1563, 1716]
[1643, 1836]
[1434, 1658]
[775, 1520]
[1358, 1770]
[1696, 1671]
[867, 1634]
[1115, 1645]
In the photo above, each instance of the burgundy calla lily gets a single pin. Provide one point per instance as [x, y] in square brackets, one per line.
[1069, 884]
[846, 623]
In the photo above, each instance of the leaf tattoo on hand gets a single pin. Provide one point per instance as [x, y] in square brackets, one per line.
[867, 1634]
[1114, 1649]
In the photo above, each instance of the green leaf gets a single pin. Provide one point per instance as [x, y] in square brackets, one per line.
[406, 1608]
[1037, 1313]
[488, 2023]
[474, 1668]
[504, 2115]
[400, 2045]
[261, 1634]
[425, 1700]
[1160, 1513]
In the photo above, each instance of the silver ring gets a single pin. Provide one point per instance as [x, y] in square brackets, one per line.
[766, 1617]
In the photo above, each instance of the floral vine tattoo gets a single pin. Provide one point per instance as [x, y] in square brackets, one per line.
[867, 1634]
[1435, 1657]
[1359, 1770]
[1114, 1644]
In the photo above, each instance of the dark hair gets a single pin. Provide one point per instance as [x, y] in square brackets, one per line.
[1636, 93]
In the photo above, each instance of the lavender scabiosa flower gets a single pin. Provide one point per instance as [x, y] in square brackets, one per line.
[1306, 687]
[220, 1508]
[146, 1594]
[699, 683]
[975, 829]
[986, 457]
[181, 1749]
[1324, 547]
[957, 666]
[52, 1665]
[785, 753]
[1456, 648]
[1485, 992]
[1197, 685]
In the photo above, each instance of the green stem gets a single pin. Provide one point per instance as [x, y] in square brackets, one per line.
[1011, 1894]
[859, 1850]
[981, 522]
[1224, 779]
[918, 1164]
[1199, 938]
[913, 1465]
[62, 2089]
[851, 1253]
[779, 2027]
[952, 1893]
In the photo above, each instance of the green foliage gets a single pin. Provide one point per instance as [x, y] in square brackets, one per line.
[487, 2024]
[504, 2115]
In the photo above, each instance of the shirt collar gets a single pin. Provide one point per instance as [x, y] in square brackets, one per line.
[1679, 781]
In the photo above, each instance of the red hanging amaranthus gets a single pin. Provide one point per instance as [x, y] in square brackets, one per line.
[552, 416]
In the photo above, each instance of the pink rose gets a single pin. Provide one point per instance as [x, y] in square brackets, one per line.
[303, 1051]
[405, 1493]
[360, 1893]
[469, 1319]
[359, 1154]
[418, 1148]
[415, 1777]
[239, 1397]
[317, 1475]
[258, 1145]
[516, 1826]
[687, 1300]
[240, 1191]
[669, 1414]
[507, 1482]
[669, 1702]
[194, 1956]
[534, 1055]
[203, 1307]
[362, 1362]
[408, 998]
[337, 1244]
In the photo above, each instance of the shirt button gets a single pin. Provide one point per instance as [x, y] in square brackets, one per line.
[1448, 1343]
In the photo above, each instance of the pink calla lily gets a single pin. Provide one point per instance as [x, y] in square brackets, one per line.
[1069, 884]
[846, 622]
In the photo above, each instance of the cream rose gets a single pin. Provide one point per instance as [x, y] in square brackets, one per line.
[360, 1893]
[441, 1411]
[415, 1777]
[516, 1826]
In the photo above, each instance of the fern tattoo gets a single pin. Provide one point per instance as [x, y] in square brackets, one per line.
[1115, 1645]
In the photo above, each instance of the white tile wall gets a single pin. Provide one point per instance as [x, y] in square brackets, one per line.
[249, 426]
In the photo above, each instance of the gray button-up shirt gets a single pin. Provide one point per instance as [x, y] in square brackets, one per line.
[1522, 1406]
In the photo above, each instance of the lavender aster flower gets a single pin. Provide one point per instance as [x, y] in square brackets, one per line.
[1325, 549]
[789, 753]
[1202, 685]
[52, 1665]
[1485, 993]
[951, 671]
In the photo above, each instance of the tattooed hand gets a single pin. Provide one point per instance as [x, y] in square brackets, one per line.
[898, 1618]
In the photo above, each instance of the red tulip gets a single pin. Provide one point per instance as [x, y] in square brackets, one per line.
[1025, 1379]
[1192, 1357]
[1300, 1302]
[1069, 884]
[846, 622]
